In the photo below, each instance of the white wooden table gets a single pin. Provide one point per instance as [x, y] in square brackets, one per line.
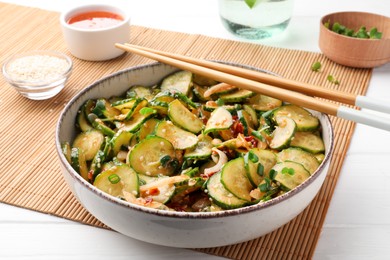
[357, 225]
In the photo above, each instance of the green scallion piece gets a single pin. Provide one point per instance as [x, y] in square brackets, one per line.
[114, 178]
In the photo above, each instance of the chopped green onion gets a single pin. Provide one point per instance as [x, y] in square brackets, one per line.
[272, 174]
[316, 66]
[220, 102]
[114, 178]
[147, 110]
[253, 157]
[362, 33]
[260, 169]
[289, 171]
[331, 79]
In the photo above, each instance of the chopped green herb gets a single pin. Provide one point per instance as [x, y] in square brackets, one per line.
[331, 79]
[260, 169]
[362, 33]
[289, 171]
[220, 102]
[316, 66]
[266, 185]
[147, 110]
[114, 178]
[253, 157]
[272, 174]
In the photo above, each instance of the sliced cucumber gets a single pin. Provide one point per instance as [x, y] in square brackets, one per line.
[82, 120]
[78, 162]
[239, 95]
[203, 81]
[320, 157]
[146, 157]
[136, 121]
[252, 115]
[183, 118]
[199, 93]
[120, 139]
[89, 142]
[304, 119]
[300, 156]
[138, 91]
[308, 141]
[202, 150]
[147, 128]
[185, 187]
[98, 124]
[221, 196]
[282, 134]
[220, 119]
[118, 179]
[210, 106]
[235, 180]
[180, 81]
[128, 107]
[104, 110]
[179, 138]
[258, 163]
[290, 174]
[162, 189]
[262, 103]
[66, 150]
[246, 121]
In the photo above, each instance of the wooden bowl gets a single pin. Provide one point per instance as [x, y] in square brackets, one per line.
[355, 52]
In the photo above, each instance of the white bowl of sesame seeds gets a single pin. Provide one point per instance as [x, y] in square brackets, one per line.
[38, 75]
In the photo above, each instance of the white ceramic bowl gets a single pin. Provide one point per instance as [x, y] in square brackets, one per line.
[95, 44]
[179, 229]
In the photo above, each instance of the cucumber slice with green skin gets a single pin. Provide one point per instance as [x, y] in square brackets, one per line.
[239, 95]
[290, 174]
[220, 119]
[191, 172]
[308, 141]
[221, 196]
[117, 179]
[162, 189]
[320, 157]
[89, 142]
[185, 187]
[146, 157]
[100, 158]
[180, 81]
[258, 163]
[235, 180]
[120, 139]
[203, 81]
[262, 103]
[128, 107]
[104, 110]
[246, 121]
[98, 124]
[138, 91]
[210, 106]
[252, 115]
[170, 95]
[179, 138]
[160, 106]
[202, 150]
[199, 93]
[183, 118]
[304, 119]
[135, 122]
[283, 134]
[66, 150]
[82, 120]
[78, 162]
[147, 128]
[300, 156]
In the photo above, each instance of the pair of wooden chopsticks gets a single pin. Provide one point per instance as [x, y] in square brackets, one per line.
[284, 89]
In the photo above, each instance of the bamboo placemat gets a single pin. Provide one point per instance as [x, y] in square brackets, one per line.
[30, 176]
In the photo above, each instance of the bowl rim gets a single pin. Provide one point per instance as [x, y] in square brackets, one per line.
[176, 214]
[93, 7]
[51, 53]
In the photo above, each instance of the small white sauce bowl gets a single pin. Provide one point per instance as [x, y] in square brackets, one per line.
[95, 44]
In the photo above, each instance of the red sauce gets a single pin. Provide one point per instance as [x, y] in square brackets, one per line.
[95, 20]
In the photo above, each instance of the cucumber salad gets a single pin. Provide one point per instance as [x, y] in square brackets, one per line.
[193, 144]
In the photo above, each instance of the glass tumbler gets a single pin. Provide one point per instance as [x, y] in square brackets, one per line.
[255, 19]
